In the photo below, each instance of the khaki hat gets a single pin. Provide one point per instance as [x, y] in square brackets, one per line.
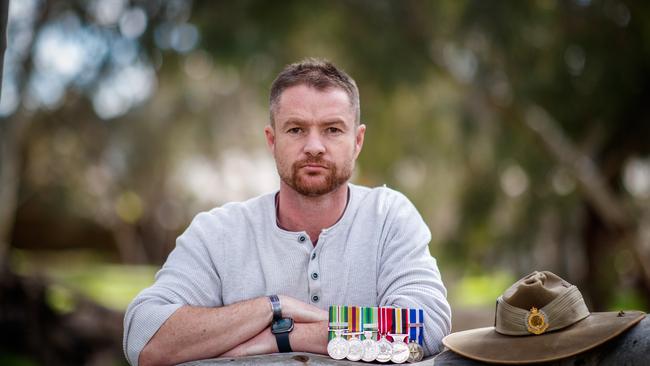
[540, 318]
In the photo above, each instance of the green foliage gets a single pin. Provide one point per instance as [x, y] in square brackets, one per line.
[111, 285]
[481, 290]
[60, 298]
[11, 359]
[628, 299]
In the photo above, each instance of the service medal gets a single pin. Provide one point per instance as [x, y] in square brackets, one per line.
[416, 353]
[370, 348]
[400, 349]
[416, 332]
[355, 349]
[338, 348]
[385, 350]
[385, 327]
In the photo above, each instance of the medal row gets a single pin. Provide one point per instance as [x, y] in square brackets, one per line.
[375, 334]
[355, 349]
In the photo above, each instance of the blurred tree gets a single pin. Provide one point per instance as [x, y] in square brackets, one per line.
[6, 211]
[155, 101]
[72, 65]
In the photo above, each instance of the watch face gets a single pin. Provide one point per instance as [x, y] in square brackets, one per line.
[283, 325]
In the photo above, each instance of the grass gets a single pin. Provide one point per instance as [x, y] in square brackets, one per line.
[481, 290]
[111, 285]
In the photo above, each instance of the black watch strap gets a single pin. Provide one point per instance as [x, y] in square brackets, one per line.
[277, 308]
[283, 342]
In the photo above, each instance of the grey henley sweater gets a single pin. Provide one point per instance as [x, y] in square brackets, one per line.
[376, 255]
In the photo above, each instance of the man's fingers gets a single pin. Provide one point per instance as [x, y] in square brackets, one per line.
[301, 312]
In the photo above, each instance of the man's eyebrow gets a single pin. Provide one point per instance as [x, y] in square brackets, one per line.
[300, 122]
[334, 121]
[296, 121]
[293, 122]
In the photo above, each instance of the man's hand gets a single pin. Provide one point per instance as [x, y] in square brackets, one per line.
[262, 343]
[309, 333]
[301, 312]
[305, 337]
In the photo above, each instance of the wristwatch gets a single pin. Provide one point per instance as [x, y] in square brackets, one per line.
[280, 327]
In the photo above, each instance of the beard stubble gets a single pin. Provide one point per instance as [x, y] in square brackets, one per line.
[332, 177]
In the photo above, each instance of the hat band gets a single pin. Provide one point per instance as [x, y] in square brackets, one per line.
[564, 310]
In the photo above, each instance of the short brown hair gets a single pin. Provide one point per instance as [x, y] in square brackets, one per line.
[316, 73]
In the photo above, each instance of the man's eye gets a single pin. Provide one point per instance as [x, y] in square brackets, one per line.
[294, 130]
[333, 130]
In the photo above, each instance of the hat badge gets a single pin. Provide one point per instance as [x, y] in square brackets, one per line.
[536, 321]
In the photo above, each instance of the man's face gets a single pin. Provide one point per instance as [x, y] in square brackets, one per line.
[315, 140]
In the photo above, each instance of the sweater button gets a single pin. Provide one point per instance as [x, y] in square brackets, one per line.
[313, 256]
[302, 238]
[315, 298]
[314, 276]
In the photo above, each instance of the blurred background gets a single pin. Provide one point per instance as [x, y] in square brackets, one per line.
[520, 130]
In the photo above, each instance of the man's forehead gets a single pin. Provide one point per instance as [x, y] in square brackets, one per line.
[306, 101]
[305, 92]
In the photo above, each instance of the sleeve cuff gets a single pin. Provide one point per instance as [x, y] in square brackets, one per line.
[137, 338]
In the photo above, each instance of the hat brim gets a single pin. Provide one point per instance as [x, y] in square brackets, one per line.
[485, 344]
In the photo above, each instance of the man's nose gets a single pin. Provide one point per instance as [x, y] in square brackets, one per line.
[314, 145]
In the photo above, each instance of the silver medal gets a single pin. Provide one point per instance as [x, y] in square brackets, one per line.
[370, 348]
[400, 349]
[385, 350]
[338, 348]
[355, 349]
[416, 353]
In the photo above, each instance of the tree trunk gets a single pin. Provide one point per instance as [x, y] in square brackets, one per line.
[8, 169]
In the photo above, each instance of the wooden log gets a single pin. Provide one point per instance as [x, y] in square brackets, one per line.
[630, 348]
[290, 359]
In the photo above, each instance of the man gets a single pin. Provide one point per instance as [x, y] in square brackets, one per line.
[316, 242]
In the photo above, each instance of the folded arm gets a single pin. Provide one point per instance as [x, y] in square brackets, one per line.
[181, 317]
[240, 329]
[305, 337]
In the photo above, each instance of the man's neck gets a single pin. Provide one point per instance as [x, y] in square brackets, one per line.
[297, 212]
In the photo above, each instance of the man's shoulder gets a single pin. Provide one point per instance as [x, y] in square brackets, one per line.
[254, 204]
[231, 213]
[381, 194]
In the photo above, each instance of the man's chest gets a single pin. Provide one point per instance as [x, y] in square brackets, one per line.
[336, 271]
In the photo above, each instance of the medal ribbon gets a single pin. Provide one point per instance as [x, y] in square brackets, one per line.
[338, 319]
[354, 319]
[400, 321]
[421, 328]
[369, 320]
[413, 335]
[386, 320]
[416, 325]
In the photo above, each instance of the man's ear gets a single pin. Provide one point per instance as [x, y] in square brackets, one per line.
[358, 140]
[269, 133]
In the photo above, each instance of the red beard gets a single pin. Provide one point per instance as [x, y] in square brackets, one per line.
[331, 177]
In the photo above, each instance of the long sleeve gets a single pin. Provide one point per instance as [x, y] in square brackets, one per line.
[408, 274]
[189, 277]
